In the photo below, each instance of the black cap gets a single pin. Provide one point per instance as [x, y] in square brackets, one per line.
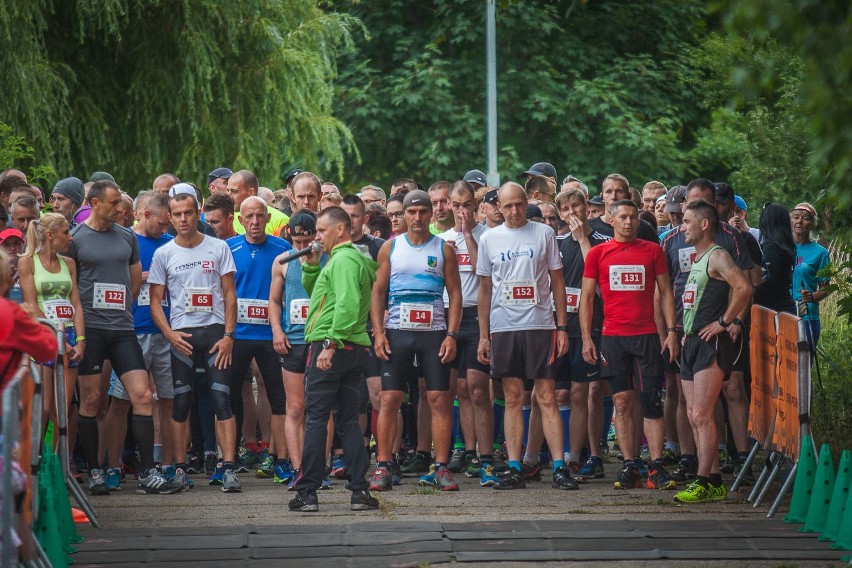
[596, 200]
[291, 174]
[541, 169]
[490, 197]
[475, 176]
[674, 198]
[223, 173]
[302, 224]
[724, 192]
[416, 197]
[534, 211]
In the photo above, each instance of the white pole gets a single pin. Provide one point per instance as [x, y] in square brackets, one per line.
[491, 59]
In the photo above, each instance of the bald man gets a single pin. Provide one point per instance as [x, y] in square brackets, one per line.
[242, 185]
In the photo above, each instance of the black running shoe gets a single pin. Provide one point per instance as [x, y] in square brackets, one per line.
[531, 472]
[562, 479]
[686, 469]
[456, 463]
[304, 502]
[155, 484]
[363, 501]
[511, 479]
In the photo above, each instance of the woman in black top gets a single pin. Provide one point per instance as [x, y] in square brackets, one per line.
[779, 253]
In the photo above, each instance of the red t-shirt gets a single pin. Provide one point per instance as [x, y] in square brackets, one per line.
[20, 334]
[626, 274]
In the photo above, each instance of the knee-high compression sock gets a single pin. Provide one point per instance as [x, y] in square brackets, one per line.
[87, 432]
[143, 431]
[565, 412]
[499, 410]
[458, 436]
[608, 409]
[525, 411]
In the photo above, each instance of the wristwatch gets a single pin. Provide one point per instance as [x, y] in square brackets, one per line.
[562, 328]
[453, 334]
[329, 344]
[229, 334]
[737, 321]
[723, 323]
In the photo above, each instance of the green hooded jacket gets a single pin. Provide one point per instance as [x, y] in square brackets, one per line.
[340, 296]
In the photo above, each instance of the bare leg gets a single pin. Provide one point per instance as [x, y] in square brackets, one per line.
[479, 393]
[388, 423]
[441, 407]
[701, 396]
[294, 387]
[513, 420]
[624, 422]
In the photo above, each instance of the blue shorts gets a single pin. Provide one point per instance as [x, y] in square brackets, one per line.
[70, 339]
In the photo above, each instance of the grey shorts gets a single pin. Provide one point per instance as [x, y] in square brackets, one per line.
[156, 351]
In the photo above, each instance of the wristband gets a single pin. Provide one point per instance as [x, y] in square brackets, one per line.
[723, 323]
[562, 328]
[80, 338]
[230, 334]
[453, 334]
[672, 330]
[737, 321]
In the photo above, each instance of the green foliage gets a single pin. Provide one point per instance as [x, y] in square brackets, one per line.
[142, 87]
[591, 87]
[15, 152]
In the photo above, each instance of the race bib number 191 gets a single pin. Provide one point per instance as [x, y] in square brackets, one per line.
[627, 277]
[252, 311]
[109, 296]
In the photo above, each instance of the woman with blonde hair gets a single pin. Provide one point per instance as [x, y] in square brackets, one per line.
[49, 282]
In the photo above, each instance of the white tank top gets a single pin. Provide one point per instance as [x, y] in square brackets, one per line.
[415, 292]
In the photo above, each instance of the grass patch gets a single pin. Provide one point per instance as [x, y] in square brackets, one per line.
[426, 491]
[387, 508]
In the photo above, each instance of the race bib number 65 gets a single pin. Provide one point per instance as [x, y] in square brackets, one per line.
[627, 277]
[198, 299]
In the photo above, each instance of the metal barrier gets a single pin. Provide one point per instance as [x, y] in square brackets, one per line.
[11, 417]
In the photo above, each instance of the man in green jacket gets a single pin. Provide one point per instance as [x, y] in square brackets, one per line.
[336, 331]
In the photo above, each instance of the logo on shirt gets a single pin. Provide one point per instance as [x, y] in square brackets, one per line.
[207, 266]
[522, 252]
[432, 261]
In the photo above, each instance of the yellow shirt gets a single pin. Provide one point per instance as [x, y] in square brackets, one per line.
[275, 225]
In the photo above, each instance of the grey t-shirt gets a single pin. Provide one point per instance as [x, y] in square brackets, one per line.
[103, 275]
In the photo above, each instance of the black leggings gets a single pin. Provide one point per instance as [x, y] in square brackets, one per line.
[202, 340]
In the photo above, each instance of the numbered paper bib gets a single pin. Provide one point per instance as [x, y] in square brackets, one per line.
[198, 299]
[627, 277]
[686, 256]
[415, 316]
[59, 311]
[299, 311]
[144, 298]
[109, 296]
[252, 311]
[572, 299]
[520, 293]
[689, 296]
[464, 262]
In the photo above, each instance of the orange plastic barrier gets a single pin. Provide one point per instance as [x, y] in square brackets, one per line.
[786, 436]
[763, 367]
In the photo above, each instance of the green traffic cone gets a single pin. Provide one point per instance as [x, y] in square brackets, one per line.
[46, 528]
[821, 493]
[802, 487]
[838, 498]
[48, 437]
[844, 534]
[63, 505]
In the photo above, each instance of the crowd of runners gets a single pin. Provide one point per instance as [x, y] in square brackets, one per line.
[491, 331]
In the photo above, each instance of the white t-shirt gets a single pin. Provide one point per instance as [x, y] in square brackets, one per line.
[193, 278]
[467, 271]
[519, 262]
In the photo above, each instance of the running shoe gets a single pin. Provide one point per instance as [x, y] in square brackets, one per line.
[113, 479]
[282, 471]
[544, 457]
[338, 467]
[562, 479]
[363, 501]
[486, 476]
[326, 481]
[658, 477]
[718, 493]
[428, 480]
[531, 472]
[472, 465]
[216, 478]
[265, 469]
[457, 461]
[669, 457]
[628, 478]
[168, 471]
[194, 463]
[417, 464]
[686, 468]
[510, 479]
[729, 465]
[304, 502]
[748, 478]
[381, 480]
[291, 485]
[724, 457]
[444, 480]
[155, 484]
[604, 448]
[610, 435]
[180, 477]
[396, 473]
[574, 469]
[592, 469]
[499, 463]
[694, 493]
[248, 457]
[230, 483]
[641, 466]
[210, 463]
[97, 483]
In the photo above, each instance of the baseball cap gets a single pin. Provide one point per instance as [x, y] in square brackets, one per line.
[674, 198]
[740, 203]
[475, 176]
[416, 197]
[490, 197]
[224, 173]
[534, 211]
[9, 233]
[541, 169]
[596, 200]
[291, 174]
[804, 206]
[183, 188]
[724, 192]
[302, 224]
[101, 176]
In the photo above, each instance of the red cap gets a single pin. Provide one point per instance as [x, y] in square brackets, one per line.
[807, 208]
[9, 233]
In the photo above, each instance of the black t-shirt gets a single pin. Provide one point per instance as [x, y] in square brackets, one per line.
[572, 272]
[369, 246]
[775, 292]
[603, 230]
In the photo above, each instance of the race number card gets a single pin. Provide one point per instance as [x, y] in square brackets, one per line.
[463, 259]
[198, 300]
[299, 311]
[627, 277]
[109, 296]
[689, 292]
[252, 311]
[415, 316]
[523, 293]
[685, 257]
[572, 299]
[59, 311]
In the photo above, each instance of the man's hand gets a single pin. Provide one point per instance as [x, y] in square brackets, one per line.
[734, 331]
[280, 342]
[223, 349]
[711, 330]
[467, 221]
[75, 353]
[590, 352]
[447, 352]
[324, 359]
[561, 343]
[671, 344]
[381, 345]
[577, 227]
[314, 257]
[181, 346]
[483, 352]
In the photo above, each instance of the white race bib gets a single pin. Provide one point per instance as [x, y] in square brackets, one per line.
[415, 316]
[685, 257]
[464, 262]
[572, 299]
[109, 296]
[299, 311]
[144, 298]
[627, 277]
[198, 300]
[252, 311]
[520, 293]
[689, 296]
[59, 311]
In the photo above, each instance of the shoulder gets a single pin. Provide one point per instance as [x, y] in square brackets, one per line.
[279, 243]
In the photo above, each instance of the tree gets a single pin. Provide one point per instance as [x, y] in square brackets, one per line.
[141, 87]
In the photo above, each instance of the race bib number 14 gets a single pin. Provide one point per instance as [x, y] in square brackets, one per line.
[415, 316]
